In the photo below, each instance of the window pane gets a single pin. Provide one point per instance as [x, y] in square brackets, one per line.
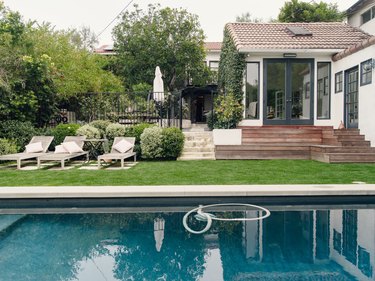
[366, 16]
[366, 72]
[276, 90]
[252, 91]
[323, 86]
[338, 82]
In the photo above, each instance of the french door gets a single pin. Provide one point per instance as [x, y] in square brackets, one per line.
[288, 92]
[351, 98]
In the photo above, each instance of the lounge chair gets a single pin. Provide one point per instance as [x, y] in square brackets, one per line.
[64, 155]
[116, 155]
[43, 141]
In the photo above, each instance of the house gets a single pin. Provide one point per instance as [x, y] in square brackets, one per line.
[307, 76]
[362, 15]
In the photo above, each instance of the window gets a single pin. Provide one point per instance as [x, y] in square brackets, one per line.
[368, 15]
[338, 82]
[366, 72]
[324, 93]
[252, 91]
[214, 65]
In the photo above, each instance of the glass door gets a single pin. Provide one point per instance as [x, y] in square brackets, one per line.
[351, 98]
[288, 92]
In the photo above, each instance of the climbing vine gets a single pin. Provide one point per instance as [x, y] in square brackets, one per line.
[231, 68]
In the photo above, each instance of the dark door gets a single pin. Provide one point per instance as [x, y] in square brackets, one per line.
[351, 98]
[288, 92]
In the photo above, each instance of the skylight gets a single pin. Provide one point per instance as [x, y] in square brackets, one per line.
[299, 31]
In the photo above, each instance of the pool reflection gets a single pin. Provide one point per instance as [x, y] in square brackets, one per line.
[289, 245]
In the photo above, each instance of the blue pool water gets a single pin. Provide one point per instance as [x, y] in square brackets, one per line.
[293, 244]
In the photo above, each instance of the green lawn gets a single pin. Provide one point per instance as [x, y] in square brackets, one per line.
[200, 172]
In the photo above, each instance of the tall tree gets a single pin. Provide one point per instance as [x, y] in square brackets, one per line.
[247, 17]
[169, 38]
[295, 11]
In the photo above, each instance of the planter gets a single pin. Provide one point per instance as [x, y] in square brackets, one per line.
[227, 136]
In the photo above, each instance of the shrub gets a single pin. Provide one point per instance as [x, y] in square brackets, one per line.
[152, 143]
[63, 130]
[101, 125]
[228, 112]
[20, 132]
[173, 142]
[136, 131]
[7, 147]
[89, 131]
[115, 130]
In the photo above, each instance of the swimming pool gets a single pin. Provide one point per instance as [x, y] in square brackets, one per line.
[294, 243]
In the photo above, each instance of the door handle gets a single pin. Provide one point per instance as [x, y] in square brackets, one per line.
[288, 100]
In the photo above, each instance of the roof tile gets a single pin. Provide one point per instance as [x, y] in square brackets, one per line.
[325, 35]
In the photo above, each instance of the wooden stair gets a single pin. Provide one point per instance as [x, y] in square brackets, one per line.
[321, 143]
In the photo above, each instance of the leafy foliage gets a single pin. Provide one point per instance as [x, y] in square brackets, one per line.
[63, 130]
[231, 68]
[17, 131]
[89, 131]
[169, 38]
[295, 11]
[172, 142]
[7, 147]
[136, 131]
[114, 130]
[152, 143]
[101, 125]
[228, 112]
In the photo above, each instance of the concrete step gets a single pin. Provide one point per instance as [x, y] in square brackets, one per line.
[198, 149]
[189, 158]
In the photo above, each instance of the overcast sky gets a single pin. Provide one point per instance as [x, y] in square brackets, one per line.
[213, 14]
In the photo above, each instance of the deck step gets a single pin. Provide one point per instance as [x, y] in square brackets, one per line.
[300, 142]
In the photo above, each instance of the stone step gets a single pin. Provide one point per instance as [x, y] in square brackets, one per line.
[198, 149]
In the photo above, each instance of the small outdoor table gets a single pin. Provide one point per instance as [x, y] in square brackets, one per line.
[94, 145]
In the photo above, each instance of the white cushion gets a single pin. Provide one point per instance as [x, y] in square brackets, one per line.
[60, 149]
[123, 146]
[34, 147]
[71, 147]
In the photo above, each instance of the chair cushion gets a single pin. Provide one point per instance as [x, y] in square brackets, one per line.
[71, 147]
[60, 149]
[123, 146]
[34, 147]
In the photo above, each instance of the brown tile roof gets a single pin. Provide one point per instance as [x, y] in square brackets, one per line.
[355, 48]
[214, 46]
[275, 36]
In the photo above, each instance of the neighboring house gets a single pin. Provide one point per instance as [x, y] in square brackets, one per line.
[362, 15]
[105, 50]
[307, 74]
[213, 50]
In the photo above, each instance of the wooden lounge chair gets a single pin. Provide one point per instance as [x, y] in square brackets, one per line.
[115, 155]
[44, 140]
[62, 157]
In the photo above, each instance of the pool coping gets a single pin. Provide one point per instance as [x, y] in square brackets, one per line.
[64, 192]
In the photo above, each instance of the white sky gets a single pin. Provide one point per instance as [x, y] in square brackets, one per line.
[213, 14]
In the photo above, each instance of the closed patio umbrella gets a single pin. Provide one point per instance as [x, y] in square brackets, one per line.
[159, 224]
[158, 89]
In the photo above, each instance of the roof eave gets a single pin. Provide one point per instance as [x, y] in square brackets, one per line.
[301, 50]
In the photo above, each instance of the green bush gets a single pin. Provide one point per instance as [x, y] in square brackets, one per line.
[115, 130]
[172, 142]
[136, 131]
[7, 147]
[89, 131]
[20, 132]
[61, 131]
[228, 112]
[101, 125]
[152, 143]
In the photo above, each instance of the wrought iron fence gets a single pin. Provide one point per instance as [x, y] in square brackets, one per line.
[124, 108]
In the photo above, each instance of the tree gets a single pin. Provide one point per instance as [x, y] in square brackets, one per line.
[169, 38]
[295, 11]
[246, 17]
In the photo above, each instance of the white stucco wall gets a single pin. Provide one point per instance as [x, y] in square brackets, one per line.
[356, 19]
[366, 98]
[212, 56]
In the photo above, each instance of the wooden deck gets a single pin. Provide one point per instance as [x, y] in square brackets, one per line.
[319, 143]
